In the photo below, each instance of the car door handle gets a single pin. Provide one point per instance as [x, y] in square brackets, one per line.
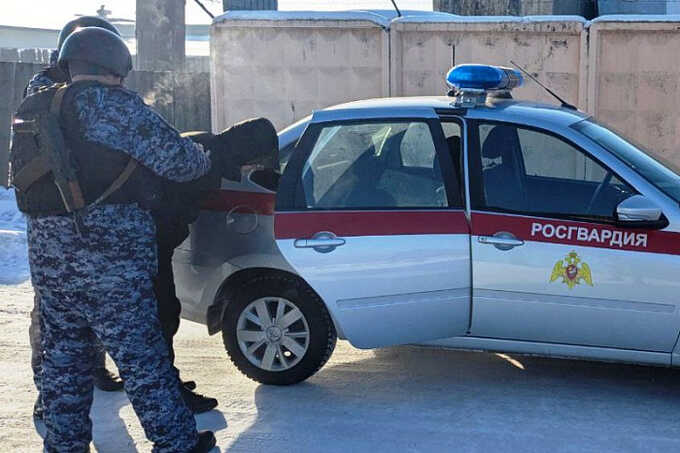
[501, 240]
[314, 243]
[322, 242]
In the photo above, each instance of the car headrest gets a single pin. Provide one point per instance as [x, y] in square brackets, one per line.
[502, 141]
[454, 144]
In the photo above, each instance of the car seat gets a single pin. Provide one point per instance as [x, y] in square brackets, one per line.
[456, 153]
[363, 192]
[503, 170]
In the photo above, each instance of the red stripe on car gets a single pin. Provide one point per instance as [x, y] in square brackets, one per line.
[576, 233]
[295, 225]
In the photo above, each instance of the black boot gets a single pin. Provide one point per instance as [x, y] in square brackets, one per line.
[197, 403]
[206, 442]
[106, 380]
[191, 385]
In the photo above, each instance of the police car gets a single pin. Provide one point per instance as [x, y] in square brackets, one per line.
[468, 221]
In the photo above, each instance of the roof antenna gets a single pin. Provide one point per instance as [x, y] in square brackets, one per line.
[212, 16]
[396, 8]
[564, 103]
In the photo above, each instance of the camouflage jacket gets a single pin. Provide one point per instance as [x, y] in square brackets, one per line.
[47, 77]
[115, 238]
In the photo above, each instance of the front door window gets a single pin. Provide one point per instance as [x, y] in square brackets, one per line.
[533, 172]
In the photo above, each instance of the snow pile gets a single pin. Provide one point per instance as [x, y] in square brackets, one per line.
[636, 18]
[13, 252]
[380, 17]
[385, 18]
[452, 18]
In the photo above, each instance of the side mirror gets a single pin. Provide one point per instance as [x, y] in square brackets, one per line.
[638, 211]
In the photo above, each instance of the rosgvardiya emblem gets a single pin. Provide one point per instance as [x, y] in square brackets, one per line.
[572, 271]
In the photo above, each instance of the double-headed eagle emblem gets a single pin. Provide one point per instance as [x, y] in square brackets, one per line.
[572, 271]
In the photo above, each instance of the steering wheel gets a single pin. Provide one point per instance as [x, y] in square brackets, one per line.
[598, 191]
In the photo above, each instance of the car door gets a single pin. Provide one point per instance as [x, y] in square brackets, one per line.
[369, 214]
[549, 265]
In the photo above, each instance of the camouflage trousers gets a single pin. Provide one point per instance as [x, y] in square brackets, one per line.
[94, 282]
[36, 348]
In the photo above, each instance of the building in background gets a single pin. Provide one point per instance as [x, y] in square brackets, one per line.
[585, 8]
[638, 7]
[27, 37]
[197, 37]
[229, 5]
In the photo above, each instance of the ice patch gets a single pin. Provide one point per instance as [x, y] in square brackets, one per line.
[13, 249]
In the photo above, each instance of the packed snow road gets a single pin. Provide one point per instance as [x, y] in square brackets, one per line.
[398, 399]
[392, 400]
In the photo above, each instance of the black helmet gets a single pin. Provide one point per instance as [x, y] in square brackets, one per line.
[82, 22]
[98, 49]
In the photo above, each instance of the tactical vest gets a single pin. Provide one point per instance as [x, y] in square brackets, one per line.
[56, 171]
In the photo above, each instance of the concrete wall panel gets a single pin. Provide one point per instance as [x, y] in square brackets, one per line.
[554, 50]
[634, 77]
[284, 69]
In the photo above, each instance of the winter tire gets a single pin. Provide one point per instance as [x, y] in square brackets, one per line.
[277, 331]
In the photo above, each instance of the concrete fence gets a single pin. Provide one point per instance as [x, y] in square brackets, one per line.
[422, 51]
[634, 81]
[283, 65]
[285, 69]
[280, 65]
[182, 98]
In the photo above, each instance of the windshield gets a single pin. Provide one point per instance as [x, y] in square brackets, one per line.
[662, 175]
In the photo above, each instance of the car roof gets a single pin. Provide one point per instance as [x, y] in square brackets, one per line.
[522, 112]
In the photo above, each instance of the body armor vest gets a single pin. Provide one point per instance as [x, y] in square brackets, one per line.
[47, 179]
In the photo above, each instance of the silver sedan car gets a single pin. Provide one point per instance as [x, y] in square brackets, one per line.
[468, 221]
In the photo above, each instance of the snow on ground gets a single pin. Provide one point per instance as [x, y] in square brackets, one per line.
[403, 399]
[13, 259]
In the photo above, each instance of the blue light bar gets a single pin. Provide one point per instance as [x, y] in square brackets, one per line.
[483, 77]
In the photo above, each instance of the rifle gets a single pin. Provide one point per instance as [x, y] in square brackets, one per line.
[50, 154]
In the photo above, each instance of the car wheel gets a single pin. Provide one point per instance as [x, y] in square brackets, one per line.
[277, 330]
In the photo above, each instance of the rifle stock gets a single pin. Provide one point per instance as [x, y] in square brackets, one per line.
[63, 171]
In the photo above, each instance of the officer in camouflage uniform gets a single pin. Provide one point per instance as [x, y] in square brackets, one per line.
[103, 378]
[93, 267]
[48, 76]
[171, 229]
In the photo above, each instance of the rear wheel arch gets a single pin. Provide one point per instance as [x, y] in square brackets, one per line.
[235, 281]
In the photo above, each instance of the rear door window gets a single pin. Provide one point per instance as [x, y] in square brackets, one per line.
[375, 165]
